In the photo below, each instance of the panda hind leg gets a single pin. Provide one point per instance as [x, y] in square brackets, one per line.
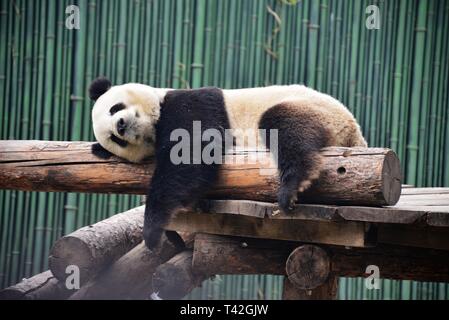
[301, 135]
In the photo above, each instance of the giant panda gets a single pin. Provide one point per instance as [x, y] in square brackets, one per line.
[135, 121]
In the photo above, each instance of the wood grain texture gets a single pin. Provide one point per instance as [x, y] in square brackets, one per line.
[43, 286]
[176, 277]
[215, 254]
[308, 267]
[94, 247]
[130, 277]
[364, 176]
[326, 291]
[347, 233]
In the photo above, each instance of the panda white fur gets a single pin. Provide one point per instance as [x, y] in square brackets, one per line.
[135, 121]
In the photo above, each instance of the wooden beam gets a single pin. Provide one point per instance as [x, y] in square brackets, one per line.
[363, 176]
[176, 278]
[326, 291]
[96, 246]
[347, 233]
[130, 277]
[414, 236]
[215, 254]
[308, 267]
[43, 286]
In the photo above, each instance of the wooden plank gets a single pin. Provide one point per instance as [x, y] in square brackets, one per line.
[424, 209]
[424, 203]
[356, 234]
[242, 207]
[423, 200]
[380, 215]
[408, 191]
[424, 196]
[327, 291]
[268, 209]
[414, 236]
[438, 219]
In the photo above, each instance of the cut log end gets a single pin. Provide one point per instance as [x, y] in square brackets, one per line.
[175, 278]
[391, 178]
[308, 267]
[71, 251]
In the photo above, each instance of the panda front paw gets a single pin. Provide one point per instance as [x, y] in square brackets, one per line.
[152, 236]
[287, 200]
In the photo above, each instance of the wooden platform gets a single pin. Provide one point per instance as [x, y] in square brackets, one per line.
[420, 219]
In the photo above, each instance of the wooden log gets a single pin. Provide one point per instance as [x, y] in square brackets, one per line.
[130, 277]
[176, 277]
[215, 254]
[43, 286]
[355, 176]
[308, 267]
[94, 247]
[326, 291]
[347, 233]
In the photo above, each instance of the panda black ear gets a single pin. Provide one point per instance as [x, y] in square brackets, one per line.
[98, 87]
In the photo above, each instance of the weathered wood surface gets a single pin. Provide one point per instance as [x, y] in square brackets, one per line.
[131, 276]
[308, 267]
[326, 291]
[427, 214]
[215, 254]
[347, 233]
[364, 176]
[414, 236]
[43, 286]
[94, 247]
[176, 278]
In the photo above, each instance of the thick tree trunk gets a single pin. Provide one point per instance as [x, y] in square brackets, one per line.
[96, 246]
[131, 276]
[43, 286]
[358, 176]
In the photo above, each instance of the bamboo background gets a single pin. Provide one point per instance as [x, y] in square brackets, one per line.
[395, 80]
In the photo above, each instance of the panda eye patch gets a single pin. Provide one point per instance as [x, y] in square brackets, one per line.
[116, 108]
[120, 142]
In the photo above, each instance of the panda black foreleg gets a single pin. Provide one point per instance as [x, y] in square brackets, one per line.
[174, 188]
[301, 134]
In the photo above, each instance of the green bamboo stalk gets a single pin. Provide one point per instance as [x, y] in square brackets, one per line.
[413, 143]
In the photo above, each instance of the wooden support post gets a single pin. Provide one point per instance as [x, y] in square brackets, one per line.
[326, 291]
[356, 176]
[307, 267]
[176, 278]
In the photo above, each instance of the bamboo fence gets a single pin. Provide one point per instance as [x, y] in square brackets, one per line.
[395, 80]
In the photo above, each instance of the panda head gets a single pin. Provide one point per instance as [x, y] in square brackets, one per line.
[124, 118]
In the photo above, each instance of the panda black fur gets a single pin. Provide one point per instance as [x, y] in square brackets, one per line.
[306, 121]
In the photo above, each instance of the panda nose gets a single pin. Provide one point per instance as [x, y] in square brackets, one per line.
[121, 127]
